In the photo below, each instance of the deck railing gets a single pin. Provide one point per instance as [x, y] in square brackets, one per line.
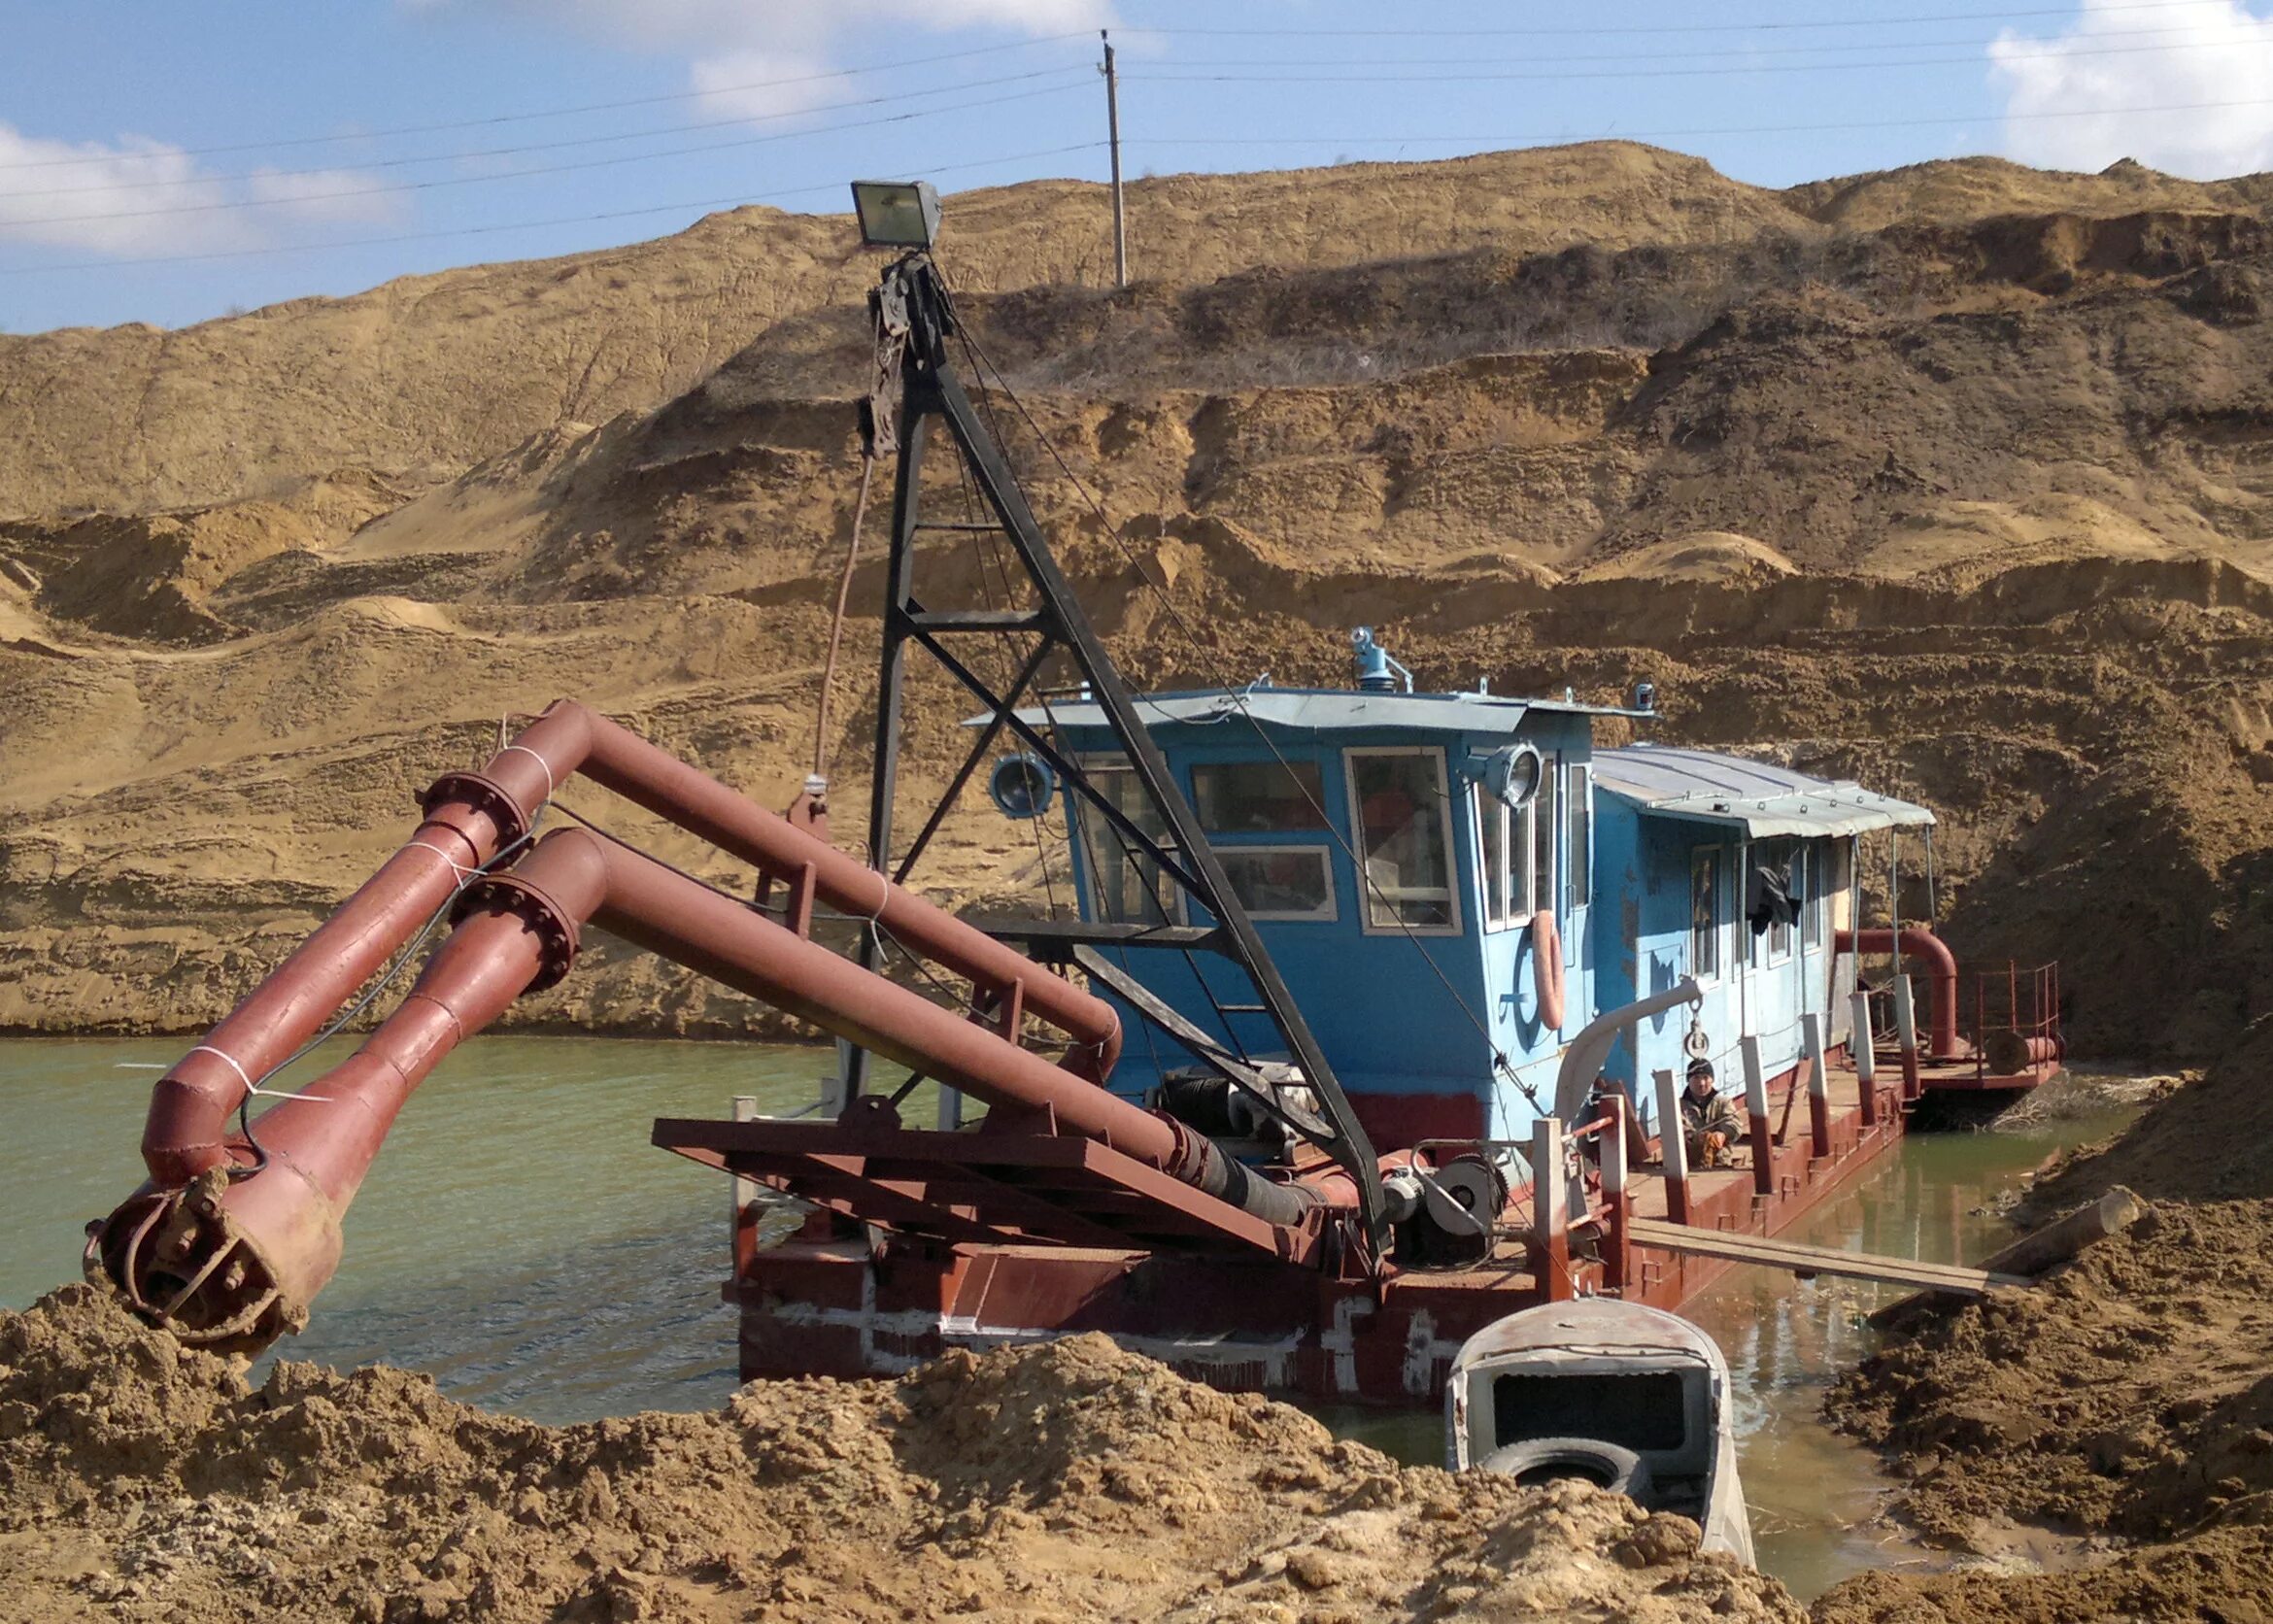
[2029, 1004]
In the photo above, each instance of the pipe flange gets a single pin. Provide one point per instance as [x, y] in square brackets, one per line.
[484, 793]
[555, 926]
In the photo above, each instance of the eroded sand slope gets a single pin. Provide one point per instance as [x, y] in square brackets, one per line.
[2125, 1408]
[1959, 479]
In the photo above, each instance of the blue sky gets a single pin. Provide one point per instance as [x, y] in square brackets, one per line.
[165, 162]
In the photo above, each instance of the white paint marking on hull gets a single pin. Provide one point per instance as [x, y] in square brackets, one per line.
[895, 1342]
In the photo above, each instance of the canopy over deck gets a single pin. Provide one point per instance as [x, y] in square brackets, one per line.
[1323, 710]
[1755, 796]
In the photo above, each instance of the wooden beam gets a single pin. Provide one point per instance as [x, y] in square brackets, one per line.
[1798, 1258]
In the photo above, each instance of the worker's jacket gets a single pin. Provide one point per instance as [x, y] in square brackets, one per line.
[1712, 1114]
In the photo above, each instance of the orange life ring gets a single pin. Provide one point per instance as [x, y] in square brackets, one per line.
[1547, 968]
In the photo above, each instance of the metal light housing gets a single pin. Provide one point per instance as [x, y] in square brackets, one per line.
[1511, 774]
[897, 213]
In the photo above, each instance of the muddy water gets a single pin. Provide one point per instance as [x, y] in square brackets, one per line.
[523, 1242]
[1814, 1495]
[520, 1239]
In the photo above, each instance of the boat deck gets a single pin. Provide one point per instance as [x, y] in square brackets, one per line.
[831, 1303]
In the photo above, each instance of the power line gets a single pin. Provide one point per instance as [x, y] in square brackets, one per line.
[1373, 74]
[384, 133]
[737, 200]
[1469, 59]
[304, 197]
[270, 175]
[196, 180]
[1667, 134]
[2006, 15]
[585, 107]
[488, 120]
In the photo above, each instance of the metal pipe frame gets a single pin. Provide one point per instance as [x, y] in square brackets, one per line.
[1917, 942]
[237, 1264]
[470, 817]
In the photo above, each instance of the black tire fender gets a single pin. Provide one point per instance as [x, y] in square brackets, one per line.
[1541, 1460]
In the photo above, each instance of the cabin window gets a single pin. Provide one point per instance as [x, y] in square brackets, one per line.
[1811, 870]
[1543, 830]
[1705, 912]
[1402, 814]
[1578, 887]
[1504, 860]
[1129, 888]
[1494, 865]
[1281, 882]
[1839, 891]
[1260, 798]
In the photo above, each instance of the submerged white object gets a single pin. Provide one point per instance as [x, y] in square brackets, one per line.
[1629, 1398]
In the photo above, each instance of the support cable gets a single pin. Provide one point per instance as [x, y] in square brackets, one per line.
[1501, 1061]
[852, 555]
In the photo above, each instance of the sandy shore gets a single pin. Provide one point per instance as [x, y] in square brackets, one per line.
[142, 1480]
[2116, 1425]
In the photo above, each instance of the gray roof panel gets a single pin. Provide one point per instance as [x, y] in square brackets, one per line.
[1761, 798]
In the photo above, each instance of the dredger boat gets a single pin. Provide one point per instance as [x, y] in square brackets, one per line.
[1301, 1097]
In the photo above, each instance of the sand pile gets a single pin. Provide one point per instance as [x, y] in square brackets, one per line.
[2207, 1141]
[1956, 479]
[142, 1480]
[2217, 1576]
[2130, 1395]
[2129, 1400]
[423, 376]
[2024, 585]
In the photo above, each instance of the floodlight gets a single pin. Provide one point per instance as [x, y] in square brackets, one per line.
[897, 213]
[1511, 774]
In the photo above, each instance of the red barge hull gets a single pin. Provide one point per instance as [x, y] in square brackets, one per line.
[842, 1299]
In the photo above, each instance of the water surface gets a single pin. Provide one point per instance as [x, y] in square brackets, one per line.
[522, 1241]
[519, 1238]
[1814, 1495]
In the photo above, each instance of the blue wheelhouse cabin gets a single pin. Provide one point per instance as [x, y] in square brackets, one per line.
[1697, 846]
[1398, 852]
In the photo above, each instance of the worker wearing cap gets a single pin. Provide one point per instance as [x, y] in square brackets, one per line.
[1709, 1123]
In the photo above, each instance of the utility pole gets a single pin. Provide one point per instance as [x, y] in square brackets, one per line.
[1113, 130]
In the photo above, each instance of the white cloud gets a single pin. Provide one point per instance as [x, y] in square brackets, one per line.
[333, 195]
[139, 196]
[2224, 55]
[739, 51]
[758, 83]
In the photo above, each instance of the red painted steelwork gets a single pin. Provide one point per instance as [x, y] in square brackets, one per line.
[1920, 943]
[569, 737]
[648, 904]
[469, 818]
[1399, 1120]
[236, 1263]
[189, 1109]
[842, 1307]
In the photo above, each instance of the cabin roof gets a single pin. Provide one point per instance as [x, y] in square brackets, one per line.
[1755, 796]
[1324, 710]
